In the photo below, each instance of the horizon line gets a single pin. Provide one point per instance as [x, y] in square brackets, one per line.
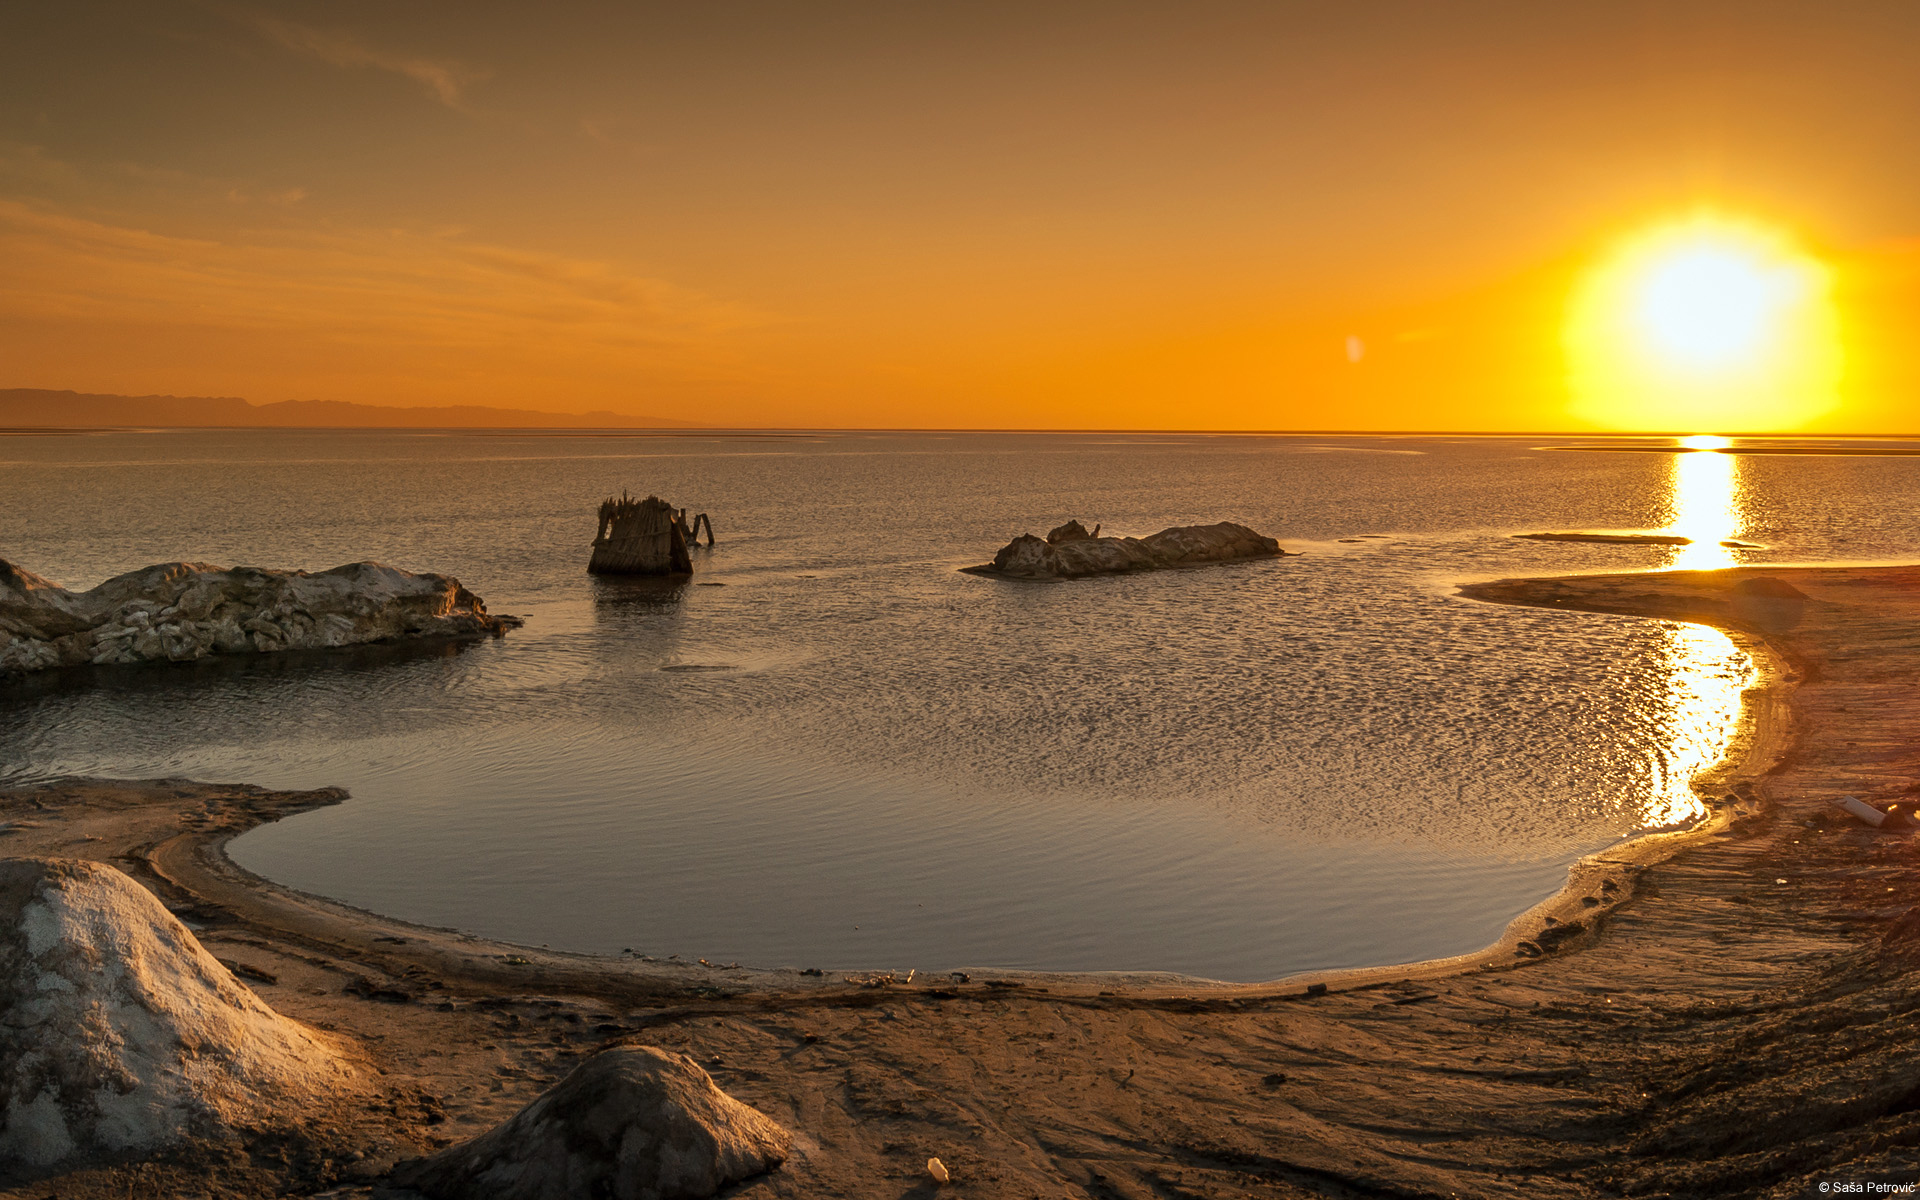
[686, 430]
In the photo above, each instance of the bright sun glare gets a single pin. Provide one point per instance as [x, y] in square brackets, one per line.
[1710, 306]
[1708, 322]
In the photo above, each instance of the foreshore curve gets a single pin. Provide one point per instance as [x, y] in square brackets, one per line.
[1706, 1031]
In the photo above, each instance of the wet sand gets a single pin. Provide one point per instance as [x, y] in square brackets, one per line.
[1726, 1012]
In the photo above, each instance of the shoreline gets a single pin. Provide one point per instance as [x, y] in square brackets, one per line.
[1454, 1055]
[203, 867]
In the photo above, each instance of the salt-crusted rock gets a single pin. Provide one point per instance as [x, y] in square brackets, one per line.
[120, 1035]
[631, 1123]
[1070, 555]
[180, 611]
[1027, 557]
[1185, 545]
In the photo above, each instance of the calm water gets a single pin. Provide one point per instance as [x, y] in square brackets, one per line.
[851, 756]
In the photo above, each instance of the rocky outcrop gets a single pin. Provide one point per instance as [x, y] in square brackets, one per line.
[630, 1123]
[181, 611]
[120, 1035]
[1070, 552]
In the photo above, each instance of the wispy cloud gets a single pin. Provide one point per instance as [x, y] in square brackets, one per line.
[387, 283]
[363, 312]
[118, 273]
[446, 79]
[27, 170]
[603, 132]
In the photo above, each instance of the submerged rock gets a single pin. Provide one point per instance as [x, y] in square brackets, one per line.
[631, 1123]
[120, 1035]
[181, 611]
[1069, 552]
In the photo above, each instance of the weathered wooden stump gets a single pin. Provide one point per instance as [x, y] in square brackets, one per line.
[641, 537]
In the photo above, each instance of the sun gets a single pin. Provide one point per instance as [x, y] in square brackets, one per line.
[1705, 322]
[1711, 306]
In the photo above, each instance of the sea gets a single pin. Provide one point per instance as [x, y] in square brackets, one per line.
[831, 748]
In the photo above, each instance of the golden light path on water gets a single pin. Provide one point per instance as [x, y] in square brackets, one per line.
[1706, 672]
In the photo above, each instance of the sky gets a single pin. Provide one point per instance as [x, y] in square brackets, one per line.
[1362, 215]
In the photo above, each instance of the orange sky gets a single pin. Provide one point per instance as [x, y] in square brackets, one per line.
[965, 215]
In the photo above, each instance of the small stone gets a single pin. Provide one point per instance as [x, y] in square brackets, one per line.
[939, 1171]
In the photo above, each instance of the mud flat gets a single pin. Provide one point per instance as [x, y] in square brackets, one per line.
[1726, 1012]
[1610, 539]
[1606, 538]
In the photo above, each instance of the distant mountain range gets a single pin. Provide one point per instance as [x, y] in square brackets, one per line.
[36, 408]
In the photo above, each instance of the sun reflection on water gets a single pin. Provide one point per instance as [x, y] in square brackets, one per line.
[1706, 672]
[1704, 506]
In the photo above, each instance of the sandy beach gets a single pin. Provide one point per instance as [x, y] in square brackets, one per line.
[1724, 1012]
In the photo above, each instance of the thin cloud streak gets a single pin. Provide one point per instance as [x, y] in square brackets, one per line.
[364, 314]
[445, 78]
[391, 283]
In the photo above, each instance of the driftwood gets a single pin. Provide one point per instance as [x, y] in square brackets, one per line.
[692, 532]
